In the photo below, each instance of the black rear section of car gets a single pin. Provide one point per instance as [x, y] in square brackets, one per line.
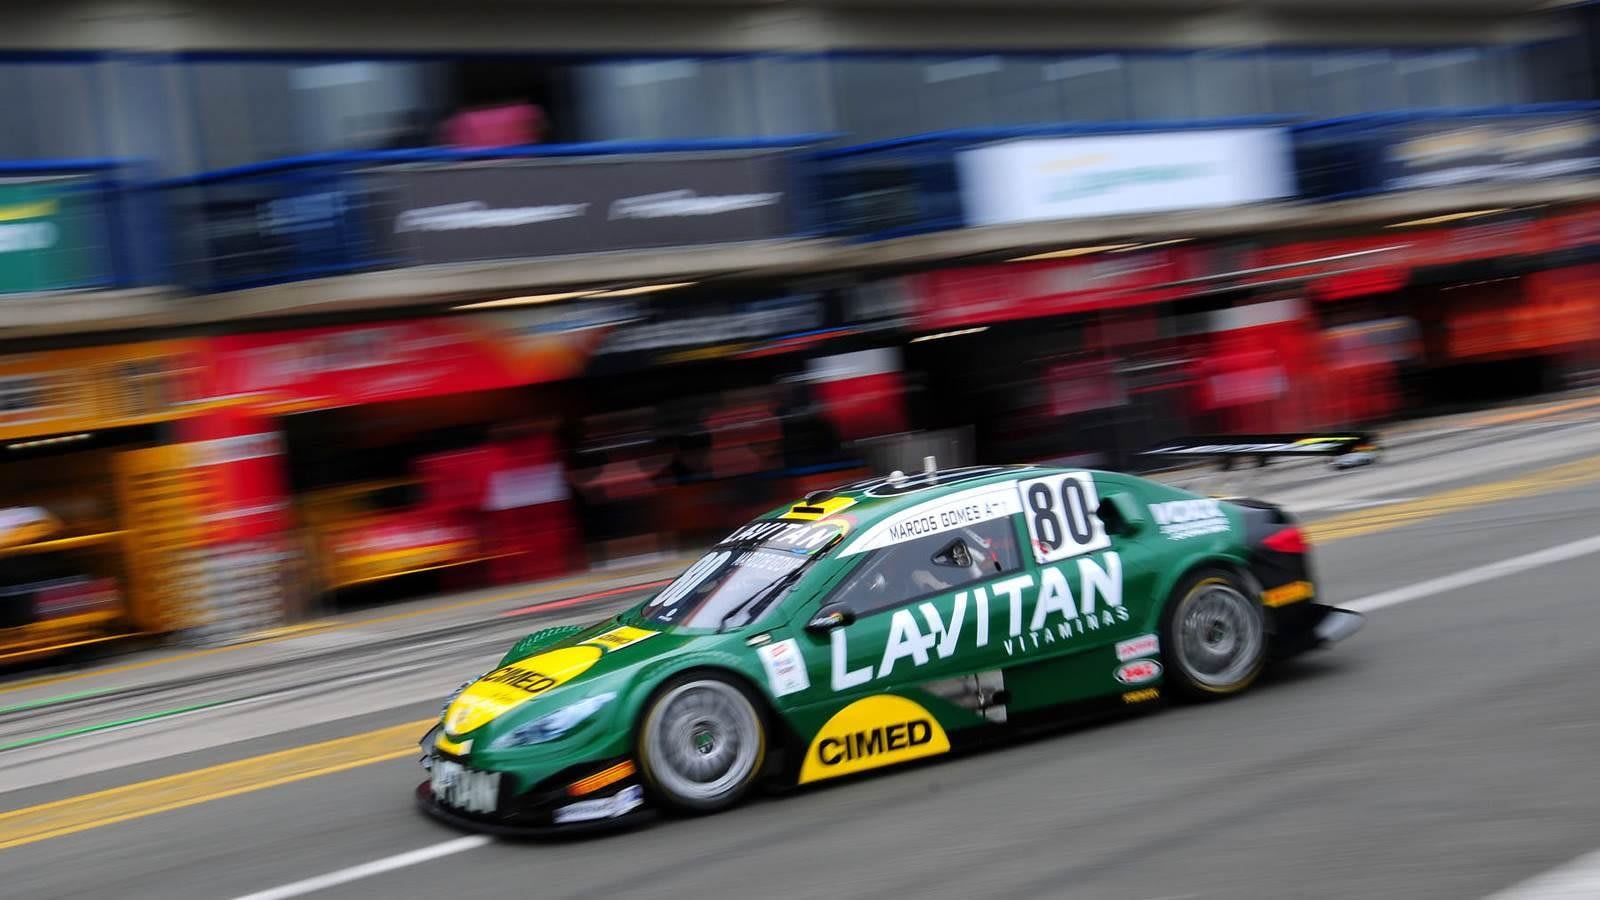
[1280, 560]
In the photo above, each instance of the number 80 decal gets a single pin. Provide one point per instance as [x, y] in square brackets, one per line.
[1060, 510]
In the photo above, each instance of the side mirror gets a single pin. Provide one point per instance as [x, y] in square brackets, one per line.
[834, 615]
[1120, 514]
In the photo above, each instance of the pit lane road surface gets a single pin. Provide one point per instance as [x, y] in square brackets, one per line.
[1447, 751]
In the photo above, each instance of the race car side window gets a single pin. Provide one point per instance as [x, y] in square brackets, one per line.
[938, 563]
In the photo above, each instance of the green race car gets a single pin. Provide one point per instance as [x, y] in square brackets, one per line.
[886, 621]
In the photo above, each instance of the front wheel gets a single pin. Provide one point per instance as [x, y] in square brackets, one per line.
[1215, 636]
[701, 743]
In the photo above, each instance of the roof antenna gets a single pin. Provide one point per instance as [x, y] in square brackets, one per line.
[930, 467]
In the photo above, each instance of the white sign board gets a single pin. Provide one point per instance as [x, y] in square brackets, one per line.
[1068, 178]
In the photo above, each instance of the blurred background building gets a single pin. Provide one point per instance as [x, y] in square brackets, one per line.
[317, 304]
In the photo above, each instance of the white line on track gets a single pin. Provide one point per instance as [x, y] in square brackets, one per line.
[1477, 575]
[1577, 880]
[367, 870]
[1584, 872]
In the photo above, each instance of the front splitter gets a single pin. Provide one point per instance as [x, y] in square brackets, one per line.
[430, 805]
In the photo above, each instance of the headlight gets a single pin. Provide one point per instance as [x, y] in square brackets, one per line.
[457, 692]
[554, 725]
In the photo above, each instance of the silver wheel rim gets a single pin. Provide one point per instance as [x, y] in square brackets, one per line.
[1220, 636]
[704, 739]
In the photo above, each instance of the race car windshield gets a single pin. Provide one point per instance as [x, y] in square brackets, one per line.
[740, 575]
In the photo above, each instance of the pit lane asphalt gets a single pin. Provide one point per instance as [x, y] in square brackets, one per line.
[1448, 750]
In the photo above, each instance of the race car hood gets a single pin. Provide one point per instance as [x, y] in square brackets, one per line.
[558, 674]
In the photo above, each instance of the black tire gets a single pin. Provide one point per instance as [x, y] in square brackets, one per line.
[1213, 635]
[701, 743]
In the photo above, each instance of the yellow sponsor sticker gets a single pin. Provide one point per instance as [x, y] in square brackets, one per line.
[617, 638]
[812, 512]
[1293, 592]
[1144, 696]
[873, 732]
[494, 694]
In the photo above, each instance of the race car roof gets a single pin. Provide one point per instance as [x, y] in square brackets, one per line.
[876, 499]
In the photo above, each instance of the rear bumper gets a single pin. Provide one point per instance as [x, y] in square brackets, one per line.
[1337, 625]
[1307, 626]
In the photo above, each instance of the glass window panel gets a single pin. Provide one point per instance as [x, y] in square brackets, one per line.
[1289, 84]
[1348, 82]
[1160, 87]
[1555, 71]
[221, 115]
[956, 92]
[876, 98]
[51, 110]
[607, 109]
[1091, 87]
[359, 105]
[938, 563]
[793, 96]
[1229, 84]
[1442, 78]
[668, 99]
[1504, 76]
[1023, 95]
[146, 117]
[17, 141]
[66, 111]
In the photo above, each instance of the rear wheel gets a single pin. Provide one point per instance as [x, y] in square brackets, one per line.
[1214, 634]
[701, 743]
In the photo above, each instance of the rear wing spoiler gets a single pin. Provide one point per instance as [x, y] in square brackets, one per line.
[1342, 449]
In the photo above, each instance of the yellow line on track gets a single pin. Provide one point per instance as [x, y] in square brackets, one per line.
[1537, 412]
[1396, 515]
[133, 801]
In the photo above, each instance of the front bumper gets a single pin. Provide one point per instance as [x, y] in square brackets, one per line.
[561, 802]
[528, 820]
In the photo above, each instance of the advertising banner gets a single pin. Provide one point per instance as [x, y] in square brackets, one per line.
[664, 333]
[510, 210]
[1521, 148]
[977, 295]
[51, 236]
[1572, 231]
[1083, 386]
[241, 452]
[1067, 178]
[862, 392]
[349, 365]
[1371, 264]
[60, 391]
